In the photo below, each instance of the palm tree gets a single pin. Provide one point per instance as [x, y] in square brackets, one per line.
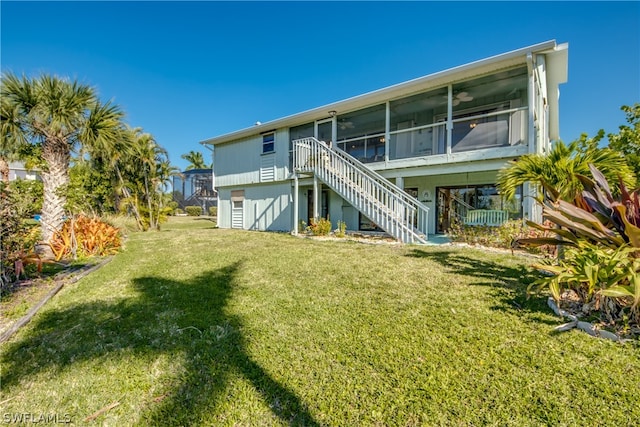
[557, 172]
[142, 170]
[195, 159]
[58, 115]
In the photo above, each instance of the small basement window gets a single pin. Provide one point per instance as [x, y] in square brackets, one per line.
[268, 141]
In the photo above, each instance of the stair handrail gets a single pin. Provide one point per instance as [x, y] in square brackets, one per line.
[364, 169]
[462, 202]
[310, 155]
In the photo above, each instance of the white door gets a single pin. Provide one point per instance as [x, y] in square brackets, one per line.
[237, 214]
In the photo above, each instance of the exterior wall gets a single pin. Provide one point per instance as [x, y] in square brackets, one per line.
[242, 162]
[265, 207]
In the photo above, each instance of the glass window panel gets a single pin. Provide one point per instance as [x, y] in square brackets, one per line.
[298, 132]
[421, 142]
[356, 149]
[369, 121]
[325, 131]
[268, 143]
[510, 85]
[481, 132]
[418, 110]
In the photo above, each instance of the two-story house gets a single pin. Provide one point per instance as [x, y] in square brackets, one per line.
[408, 159]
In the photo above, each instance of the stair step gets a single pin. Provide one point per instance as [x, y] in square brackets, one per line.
[347, 182]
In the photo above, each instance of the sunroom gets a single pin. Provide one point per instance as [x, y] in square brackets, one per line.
[488, 112]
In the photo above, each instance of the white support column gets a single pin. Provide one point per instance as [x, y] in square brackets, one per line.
[387, 130]
[295, 205]
[449, 118]
[400, 182]
[315, 197]
[532, 137]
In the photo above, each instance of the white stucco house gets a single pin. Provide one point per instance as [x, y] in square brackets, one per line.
[407, 159]
[17, 170]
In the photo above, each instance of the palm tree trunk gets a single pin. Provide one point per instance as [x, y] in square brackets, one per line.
[54, 178]
[4, 170]
[127, 195]
[149, 205]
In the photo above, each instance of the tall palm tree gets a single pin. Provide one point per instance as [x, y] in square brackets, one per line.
[142, 169]
[557, 172]
[58, 115]
[195, 159]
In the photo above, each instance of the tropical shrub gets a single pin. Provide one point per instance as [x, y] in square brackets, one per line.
[504, 236]
[17, 241]
[341, 230]
[320, 227]
[193, 210]
[558, 171]
[603, 237]
[82, 237]
[594, 273]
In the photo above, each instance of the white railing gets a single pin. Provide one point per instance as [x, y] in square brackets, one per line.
[493, 218]
[388, 206]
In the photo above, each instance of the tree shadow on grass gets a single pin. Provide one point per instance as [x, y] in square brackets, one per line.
[510, 283]
[186, 320]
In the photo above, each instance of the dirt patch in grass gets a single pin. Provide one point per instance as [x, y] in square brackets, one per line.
[20, 297]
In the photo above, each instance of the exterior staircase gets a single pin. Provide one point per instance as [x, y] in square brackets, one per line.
[387, 205]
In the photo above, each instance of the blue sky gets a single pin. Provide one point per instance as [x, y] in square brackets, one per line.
[187, 71]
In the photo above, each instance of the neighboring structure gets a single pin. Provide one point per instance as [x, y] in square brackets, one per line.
[17, 170]
[195, 188]
[441, 138]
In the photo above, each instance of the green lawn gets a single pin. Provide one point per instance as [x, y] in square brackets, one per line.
[201, 326]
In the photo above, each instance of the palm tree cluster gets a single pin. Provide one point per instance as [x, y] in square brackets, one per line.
[66, 124]
[558, 171]
[196, 160]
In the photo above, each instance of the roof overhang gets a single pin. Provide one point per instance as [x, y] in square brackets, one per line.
[439, 79]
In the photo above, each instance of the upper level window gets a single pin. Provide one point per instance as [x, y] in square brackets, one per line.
[268, 141]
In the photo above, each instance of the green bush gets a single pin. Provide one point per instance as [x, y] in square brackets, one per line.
[27, 196]
[213, 211]
[173, 206]
[341, 230]
[193, 210]
[504, 236]
[17, 241]
[320, 227]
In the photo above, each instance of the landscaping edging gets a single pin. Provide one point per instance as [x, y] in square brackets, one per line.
[576, 323]
[69, 278]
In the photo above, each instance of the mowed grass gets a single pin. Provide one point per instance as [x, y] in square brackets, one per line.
[201, 326]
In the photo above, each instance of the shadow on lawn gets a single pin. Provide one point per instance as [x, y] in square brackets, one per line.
[186, 319]
[510, 282]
